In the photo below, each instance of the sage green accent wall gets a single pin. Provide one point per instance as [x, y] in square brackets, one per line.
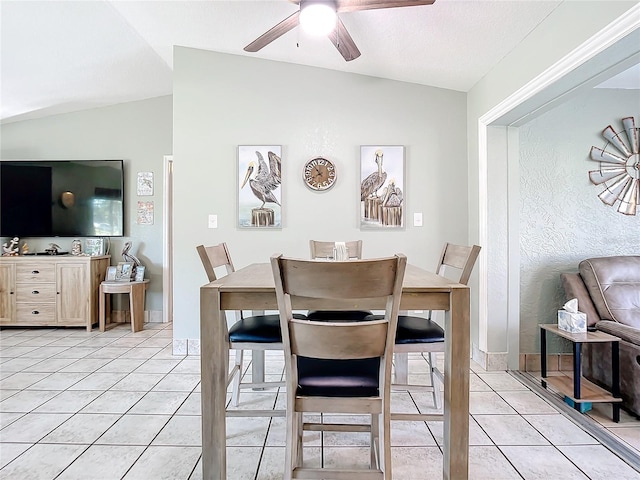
[137, 132]
[222, 101]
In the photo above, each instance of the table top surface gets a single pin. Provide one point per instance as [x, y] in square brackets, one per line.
[587, 337]
[258, 277]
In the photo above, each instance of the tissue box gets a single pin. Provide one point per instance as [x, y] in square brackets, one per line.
[572, 322]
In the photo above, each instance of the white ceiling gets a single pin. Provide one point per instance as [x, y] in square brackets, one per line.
[62, 56]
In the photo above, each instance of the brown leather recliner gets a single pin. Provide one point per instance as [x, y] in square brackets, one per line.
[608, 291]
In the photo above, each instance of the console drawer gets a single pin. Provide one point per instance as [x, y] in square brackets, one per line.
[35, 272]
[36, 312]
[36, 292]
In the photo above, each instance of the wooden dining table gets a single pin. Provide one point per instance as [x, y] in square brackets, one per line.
[252, 288]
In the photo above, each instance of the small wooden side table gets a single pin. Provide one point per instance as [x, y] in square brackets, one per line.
[136, 291]
[583, 390]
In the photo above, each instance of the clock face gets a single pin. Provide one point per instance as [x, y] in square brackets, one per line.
[319, 174]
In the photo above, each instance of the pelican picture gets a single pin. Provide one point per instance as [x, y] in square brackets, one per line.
[259, 191]
[381, 186]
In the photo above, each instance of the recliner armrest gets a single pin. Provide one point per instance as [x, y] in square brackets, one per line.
[574, 287]
[624, 332]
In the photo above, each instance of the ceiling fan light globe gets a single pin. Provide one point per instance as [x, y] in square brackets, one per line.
[318, 18]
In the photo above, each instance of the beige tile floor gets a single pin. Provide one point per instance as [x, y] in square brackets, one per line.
[119, 405]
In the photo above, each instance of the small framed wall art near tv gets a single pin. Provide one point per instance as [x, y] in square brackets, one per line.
[259, 186]
[382, 187]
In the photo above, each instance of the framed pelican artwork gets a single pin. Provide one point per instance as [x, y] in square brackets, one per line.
[259, 186]
[382, 188]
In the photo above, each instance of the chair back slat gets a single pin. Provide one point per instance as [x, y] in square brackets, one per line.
[321, 249]
[345, 341]
[461, 257]
[214, 257]
[338, 280]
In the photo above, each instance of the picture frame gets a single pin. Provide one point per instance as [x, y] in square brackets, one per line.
[140, 269]
[382, 187]
[94, 246]
[259, 199]
[144, 185]
[111, 273]
[124, 271]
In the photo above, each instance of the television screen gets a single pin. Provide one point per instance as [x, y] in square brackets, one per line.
[63, 198]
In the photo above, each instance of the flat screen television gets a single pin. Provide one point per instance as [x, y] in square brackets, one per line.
[61, 198]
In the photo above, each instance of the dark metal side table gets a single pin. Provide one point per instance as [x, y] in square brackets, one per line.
[582, 389]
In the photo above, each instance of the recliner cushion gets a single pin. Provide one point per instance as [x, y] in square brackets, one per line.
[259, 329]
[338, 378]
[614, 286]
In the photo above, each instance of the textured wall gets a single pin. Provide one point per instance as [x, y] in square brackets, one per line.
[562, 221]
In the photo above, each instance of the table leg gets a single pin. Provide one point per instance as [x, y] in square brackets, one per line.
[543, 356]
[577, 372]
[136, 306]
[214, 362]
[257, 360]
[615, 378]
[456, 387]
[103, 306]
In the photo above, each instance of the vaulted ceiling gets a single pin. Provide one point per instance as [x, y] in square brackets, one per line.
[62, 56]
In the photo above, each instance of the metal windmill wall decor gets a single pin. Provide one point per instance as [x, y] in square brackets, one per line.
[619, 170]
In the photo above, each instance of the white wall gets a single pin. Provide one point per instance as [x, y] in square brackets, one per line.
[222, 101]
[139, 133]
[565, 29]
[562, 220]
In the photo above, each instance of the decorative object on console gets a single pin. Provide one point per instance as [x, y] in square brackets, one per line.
[381, 188]
[94, 246]
[25, 248]
[54, 249]
[76, 247]
[124, 271]
[145, 183]
[264, 182]
[111, 273]
[11, 249]
[131, 258]
[619, 170]
[139, 273]
[319, 174]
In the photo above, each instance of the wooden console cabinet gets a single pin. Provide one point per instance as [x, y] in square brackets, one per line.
[56, 290]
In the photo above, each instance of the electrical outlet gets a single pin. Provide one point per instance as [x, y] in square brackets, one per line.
[213, 221]
[417, 219]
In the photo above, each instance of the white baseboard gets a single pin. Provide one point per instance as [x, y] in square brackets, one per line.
[490, 361]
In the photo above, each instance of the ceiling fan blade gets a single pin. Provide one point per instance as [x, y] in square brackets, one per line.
[356, 5]
[270, 35]
[343, 41]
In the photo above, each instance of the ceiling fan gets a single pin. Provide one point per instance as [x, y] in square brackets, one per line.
[338, 35]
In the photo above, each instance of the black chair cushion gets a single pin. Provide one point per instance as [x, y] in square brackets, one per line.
[415, 330]
[333, 315]
[259, 329]
[338, 378]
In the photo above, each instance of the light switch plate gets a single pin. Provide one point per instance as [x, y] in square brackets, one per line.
[213, 221]
[417, 219]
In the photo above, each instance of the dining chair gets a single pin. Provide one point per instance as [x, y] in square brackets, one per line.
[419, 334]
[348, 369]
[257, 333]
[325, 250]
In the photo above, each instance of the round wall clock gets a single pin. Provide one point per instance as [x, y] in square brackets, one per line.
[619, 171]
[319, 174]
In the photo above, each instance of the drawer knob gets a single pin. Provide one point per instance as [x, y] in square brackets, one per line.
[35, 292]
[35, 312]
[35, 272]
